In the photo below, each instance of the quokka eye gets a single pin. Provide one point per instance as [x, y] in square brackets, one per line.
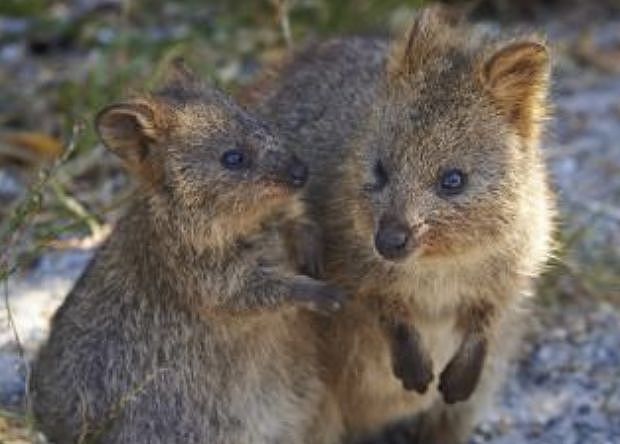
[235, 159]
[380, 178]
[452, 182]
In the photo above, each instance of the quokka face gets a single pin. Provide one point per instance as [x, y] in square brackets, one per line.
[452, 174]
[202, 158]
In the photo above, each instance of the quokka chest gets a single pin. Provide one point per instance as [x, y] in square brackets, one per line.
[370, 395]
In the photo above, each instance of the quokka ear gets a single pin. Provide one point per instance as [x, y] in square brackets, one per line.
[130, 130]
[517, 78]
[180, 83]
[179, 73]
[431, 33]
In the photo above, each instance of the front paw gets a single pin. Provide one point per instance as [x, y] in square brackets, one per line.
[316, 295]
[310, 260]
[460, 377]
[410, 361]
[308, 246]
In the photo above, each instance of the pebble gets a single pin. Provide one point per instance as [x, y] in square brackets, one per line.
[11, 186]
[567, 388]
[12, 380]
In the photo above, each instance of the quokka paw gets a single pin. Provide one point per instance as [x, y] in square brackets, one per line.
[310, 262]
[459, 379]
[309, 251]
[410, 361]
[316, 295]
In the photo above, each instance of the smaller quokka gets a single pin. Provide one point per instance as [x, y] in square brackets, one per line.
[189, 325]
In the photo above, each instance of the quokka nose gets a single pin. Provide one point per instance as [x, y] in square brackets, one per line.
[297, 172]
[391, 240]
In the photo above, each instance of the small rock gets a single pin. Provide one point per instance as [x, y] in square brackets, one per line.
[11, 186]
[12, 380]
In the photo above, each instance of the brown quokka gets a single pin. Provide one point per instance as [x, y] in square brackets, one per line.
[432, 193]
[186, 327]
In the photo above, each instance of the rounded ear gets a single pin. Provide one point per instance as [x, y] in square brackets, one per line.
[129, 130]
[517, 78]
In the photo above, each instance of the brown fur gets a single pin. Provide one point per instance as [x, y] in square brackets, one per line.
[441, 98]
[186, 326]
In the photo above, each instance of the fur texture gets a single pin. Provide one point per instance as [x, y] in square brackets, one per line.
[380, 128]
[187, 325]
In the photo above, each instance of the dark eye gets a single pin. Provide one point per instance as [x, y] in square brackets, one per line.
[234, 160]
[452, 182]
[380, 177]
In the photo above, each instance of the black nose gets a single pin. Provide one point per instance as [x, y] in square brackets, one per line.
[297, 172]
[392, 240]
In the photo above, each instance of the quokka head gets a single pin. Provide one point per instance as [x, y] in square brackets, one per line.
[204, 163]
[449, 155]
